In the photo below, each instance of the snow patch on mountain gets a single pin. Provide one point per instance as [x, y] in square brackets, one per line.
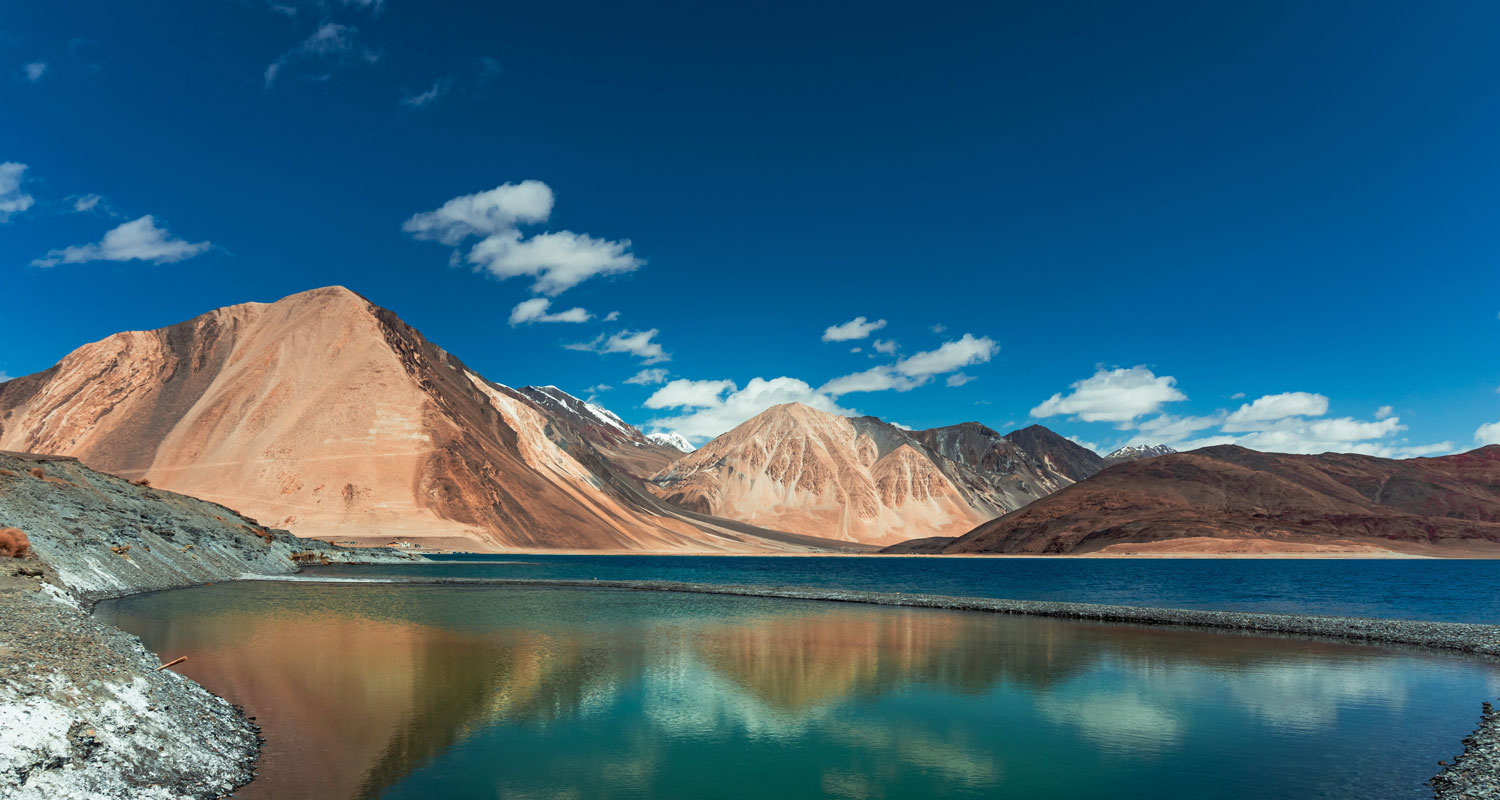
[672, 439]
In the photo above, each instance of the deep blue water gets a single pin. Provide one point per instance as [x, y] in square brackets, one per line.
[1440, 590]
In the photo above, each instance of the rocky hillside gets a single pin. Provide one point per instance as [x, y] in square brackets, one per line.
[84, 711]
[327, 415]
[862, 480]
[618, 441]
[105, 536]
[1229, 499]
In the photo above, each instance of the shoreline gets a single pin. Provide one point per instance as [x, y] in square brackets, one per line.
[1454, 637]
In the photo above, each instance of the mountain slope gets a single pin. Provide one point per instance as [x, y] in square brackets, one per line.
[621, 443]
[1230, 499]
[859, 479]
[329, 416]
[1057, 454]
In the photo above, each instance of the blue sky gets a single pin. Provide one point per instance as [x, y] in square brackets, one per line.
[1266, 222]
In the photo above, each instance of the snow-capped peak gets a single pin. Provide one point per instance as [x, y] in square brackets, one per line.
[671, 439]
[1139, 451]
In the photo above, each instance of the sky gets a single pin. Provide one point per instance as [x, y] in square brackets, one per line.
[1272, 224]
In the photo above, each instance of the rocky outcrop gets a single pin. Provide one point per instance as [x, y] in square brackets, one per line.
[860, 479]
[1264, 503]
[84, 711]
[328, 416]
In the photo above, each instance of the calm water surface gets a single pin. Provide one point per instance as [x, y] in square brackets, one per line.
[1449, 590]
[383, 691]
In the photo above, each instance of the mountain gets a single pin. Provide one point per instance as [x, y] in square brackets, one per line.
[672, 439]
[1228, 499]
[329, 416]
[1137, 452]
[1061, 456]
[618, 441]
[859, 479]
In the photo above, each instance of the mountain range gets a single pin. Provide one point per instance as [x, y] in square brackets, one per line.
[327, 415]
[1231, 500]
[859, 479]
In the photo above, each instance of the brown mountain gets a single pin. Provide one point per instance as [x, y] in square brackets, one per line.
[327, 415]
[1229, 499]
[862, 480]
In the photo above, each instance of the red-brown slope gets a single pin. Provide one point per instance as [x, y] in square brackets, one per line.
[1447, 504]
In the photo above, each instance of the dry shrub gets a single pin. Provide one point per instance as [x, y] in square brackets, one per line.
[121, 549]
[7, 473]
[38, 472]
[13, 543]
[140, 482]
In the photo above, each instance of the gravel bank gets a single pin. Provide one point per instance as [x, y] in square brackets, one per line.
[1475, 773]
[84, 713]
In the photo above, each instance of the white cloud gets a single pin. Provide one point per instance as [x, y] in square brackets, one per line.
[86, 202]
[1384, 411]
[875, 379]
[4, 377]
[439, 87]
[950, 356]
[34, 71]
[683, 393]
[599, 387]
[558, 260]
[1118, 395]
[917, 369]
[856, 349]
[12, 199]
[611, 316]
[1488, 433]
[938, 328]
[718, 406]
[1273, 407]
[636, 343]
[959, 379]
[648, 377]
[332, 46]
[498, 210]
[535, 310]
[137, 240]
[857, 328]
[886, 346]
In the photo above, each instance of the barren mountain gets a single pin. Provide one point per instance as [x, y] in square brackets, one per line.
[329, 416]
[621, 443]
[1229, 499]
[859, 479]
[1136, 453]
[1057, 454]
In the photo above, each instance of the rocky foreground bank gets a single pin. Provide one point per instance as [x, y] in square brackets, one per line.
[84, 711]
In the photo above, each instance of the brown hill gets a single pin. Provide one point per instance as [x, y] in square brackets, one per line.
[1230, 499]
[327, 415]
[860, 479]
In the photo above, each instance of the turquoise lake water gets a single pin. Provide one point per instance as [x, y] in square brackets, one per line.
[419, 691]
[1449, 590]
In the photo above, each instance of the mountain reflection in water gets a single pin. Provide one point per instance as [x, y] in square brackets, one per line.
[381, 691]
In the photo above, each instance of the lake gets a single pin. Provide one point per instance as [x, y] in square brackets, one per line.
[1446, 590]
[422, 691]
